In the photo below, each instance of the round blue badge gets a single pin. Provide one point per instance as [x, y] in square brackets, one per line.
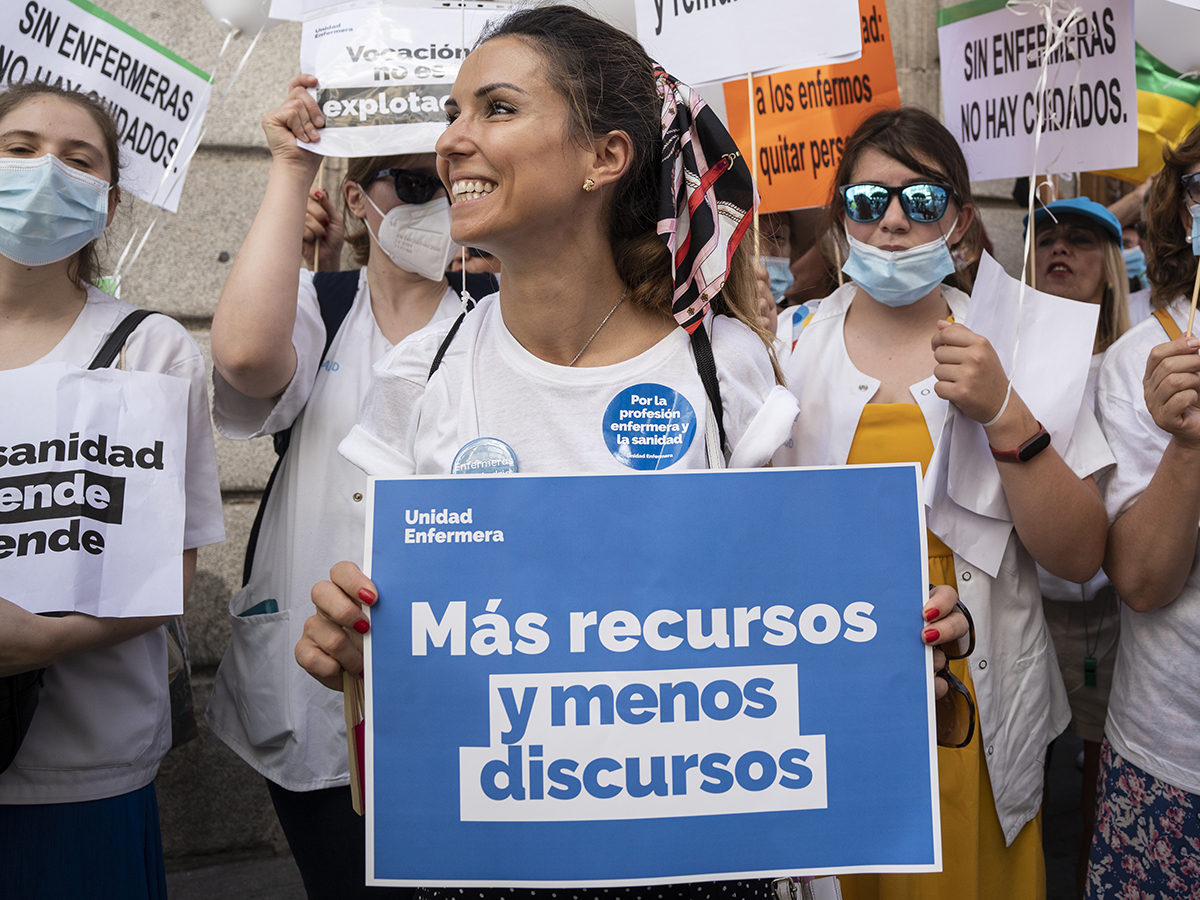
[649, 426]
[484, 456]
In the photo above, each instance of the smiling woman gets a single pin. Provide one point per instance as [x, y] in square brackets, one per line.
[616, 203]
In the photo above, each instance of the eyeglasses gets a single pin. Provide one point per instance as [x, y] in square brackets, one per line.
[1075, 234]
[923, 202]
[1191, 186]
[412, 186]
[956, 711]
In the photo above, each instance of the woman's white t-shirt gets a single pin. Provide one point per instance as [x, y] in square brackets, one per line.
[554, 417]
[103, 721]
[267, 709]
[1154, 710]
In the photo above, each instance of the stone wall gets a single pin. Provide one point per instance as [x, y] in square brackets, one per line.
[213, 804]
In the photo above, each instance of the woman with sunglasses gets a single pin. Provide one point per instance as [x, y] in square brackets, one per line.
[277, 371]
[874, 369]
[1147, 837]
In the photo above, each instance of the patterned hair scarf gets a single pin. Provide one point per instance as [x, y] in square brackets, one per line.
[706, 198]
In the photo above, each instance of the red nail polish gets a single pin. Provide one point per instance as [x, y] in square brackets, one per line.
[362, 626]
[930, 635]
[930, 615]
[366, 596]
[325, 223]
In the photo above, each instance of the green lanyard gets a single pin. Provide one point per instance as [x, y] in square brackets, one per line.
[1090, 648]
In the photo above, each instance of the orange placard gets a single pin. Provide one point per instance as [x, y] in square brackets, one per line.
[803, 117]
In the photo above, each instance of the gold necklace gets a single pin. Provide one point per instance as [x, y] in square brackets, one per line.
[598, 327]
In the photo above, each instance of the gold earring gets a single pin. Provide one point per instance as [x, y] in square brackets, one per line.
[589, 185]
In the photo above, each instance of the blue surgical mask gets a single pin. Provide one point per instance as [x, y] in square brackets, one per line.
[1194, 209]
[1135, 262]
[48, 211]
[780, 272]
[899, 277]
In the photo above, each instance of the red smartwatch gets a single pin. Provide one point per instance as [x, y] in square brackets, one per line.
[1027, 450]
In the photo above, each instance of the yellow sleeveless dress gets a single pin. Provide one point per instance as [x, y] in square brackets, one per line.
[976, 863]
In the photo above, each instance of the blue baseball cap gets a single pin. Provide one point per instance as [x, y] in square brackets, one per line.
[1078, 206]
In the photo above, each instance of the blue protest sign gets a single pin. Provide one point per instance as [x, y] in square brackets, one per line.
[607, 680]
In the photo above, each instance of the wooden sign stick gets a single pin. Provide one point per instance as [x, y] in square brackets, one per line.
[352, 698]
[1195, 292]
[753, 154]
[317, 240]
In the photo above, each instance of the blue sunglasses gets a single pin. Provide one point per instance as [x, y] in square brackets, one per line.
[922, 202]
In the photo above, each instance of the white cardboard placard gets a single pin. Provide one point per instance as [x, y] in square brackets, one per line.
[992, 56]
[92, 490]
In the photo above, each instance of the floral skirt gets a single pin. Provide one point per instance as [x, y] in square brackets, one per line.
[1147, 841]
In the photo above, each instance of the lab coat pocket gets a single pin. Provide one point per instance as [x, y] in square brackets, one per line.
[1027, 725]
[260, 654]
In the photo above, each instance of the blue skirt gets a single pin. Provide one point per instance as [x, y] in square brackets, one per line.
[107, 849]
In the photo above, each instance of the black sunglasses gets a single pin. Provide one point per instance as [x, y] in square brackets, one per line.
[412, 186]
[956, 719]
[956, 714]
[922, 202]
[1191, 186]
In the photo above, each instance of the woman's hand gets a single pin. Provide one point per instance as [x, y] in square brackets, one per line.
[23, 639]
[1172, 389]
[1058, 516]
[969, 373]
[294, 124]
[332, 639]
[943, 623]
[29, 641]
[1152, 545]
[323, 226]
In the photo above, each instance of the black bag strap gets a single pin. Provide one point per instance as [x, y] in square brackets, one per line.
[445, 345]
[335, 296]
[706, 366]
[479, 285]
[252, 543]
[112, 347]
[18, 701]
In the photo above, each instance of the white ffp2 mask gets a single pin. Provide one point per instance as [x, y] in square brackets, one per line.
[416, 236]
